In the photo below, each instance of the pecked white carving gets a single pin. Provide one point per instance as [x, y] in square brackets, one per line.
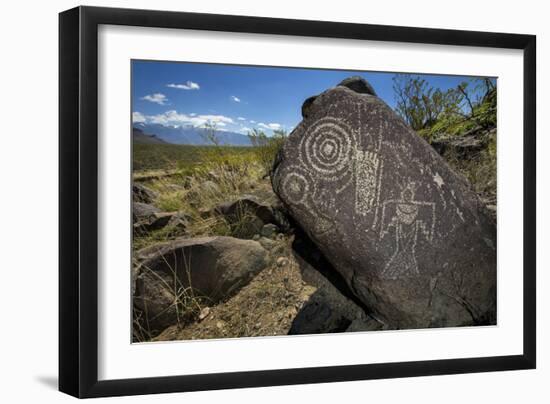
[328, 148]
[409, 218]
[329, 153]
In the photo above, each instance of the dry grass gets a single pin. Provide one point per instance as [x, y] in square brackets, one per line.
[480, 169]
[187, 301]
[223, 178]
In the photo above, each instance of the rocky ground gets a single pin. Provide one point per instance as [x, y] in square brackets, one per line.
[283, 294]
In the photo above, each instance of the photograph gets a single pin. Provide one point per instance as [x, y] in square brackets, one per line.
[276, 201]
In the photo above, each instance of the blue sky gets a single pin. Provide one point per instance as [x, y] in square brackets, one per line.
[239, 98]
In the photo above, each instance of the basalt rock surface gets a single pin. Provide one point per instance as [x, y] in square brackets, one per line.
[411, 239]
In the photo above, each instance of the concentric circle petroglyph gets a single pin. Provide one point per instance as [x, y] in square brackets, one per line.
[328, 148]
[296, 185]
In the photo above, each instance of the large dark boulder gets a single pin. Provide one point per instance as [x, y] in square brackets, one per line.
[411, 239]
[172, 279]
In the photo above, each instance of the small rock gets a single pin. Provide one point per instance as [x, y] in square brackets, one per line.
[269, 230]
[279, 249]
[155, 221]
[256, 237]
[267, 243]
[282, 261]
[143, 210]
[141, 193]
[219, 324]
[204, 313]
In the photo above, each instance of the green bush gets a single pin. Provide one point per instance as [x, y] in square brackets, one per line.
[266, 147]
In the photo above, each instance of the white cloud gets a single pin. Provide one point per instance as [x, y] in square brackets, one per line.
[174, 118]
[251, 121]
[244, 129]
[236, 99]
[240, 118]
[272, 126]
[157, 98]
[138, 117]
[189, 85]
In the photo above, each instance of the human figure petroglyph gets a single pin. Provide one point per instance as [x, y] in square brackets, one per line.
[408, 218]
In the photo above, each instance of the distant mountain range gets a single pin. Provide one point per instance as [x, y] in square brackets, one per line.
[141, 137]
[185, 135]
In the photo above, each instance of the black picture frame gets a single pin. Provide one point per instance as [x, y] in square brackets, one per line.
[78, 201]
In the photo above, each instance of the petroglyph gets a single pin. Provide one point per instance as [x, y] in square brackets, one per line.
[296, 185]
[408, 218]
[438, 180]
[328, 148]
[368, 167]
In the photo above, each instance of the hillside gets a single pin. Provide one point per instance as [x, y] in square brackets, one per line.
[139, 136]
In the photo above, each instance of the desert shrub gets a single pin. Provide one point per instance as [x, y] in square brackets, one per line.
[266, 147]
[434, 113]
[420, 104]
[479, 168]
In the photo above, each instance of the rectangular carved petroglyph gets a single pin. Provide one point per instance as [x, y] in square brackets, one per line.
[368, 167]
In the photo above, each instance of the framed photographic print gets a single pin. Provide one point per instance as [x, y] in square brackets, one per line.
[252, 201]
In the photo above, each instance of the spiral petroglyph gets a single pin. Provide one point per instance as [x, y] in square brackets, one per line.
[296, 185]
[328, 148]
